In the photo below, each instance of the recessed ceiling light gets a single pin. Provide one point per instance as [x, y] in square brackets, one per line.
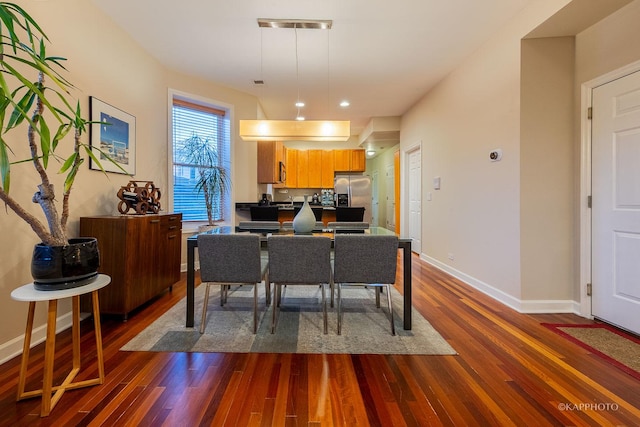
[344, 103]
[299, 104]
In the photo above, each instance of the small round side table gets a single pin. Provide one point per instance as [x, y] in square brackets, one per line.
[30, 294]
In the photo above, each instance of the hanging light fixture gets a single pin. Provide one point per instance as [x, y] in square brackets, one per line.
[299, 129]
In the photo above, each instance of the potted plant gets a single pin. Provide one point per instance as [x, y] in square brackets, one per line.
[213, 180]
[53, 126]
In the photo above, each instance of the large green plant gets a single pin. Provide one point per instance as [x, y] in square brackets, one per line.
[49, 115]
[213, 180]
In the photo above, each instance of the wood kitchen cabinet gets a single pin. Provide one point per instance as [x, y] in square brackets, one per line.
[140, 253]
[303, 169]
[315, 168]
[271, 158]
[328, 169]
[358, 161]
[292, 168]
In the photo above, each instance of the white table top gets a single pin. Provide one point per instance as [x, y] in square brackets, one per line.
[29, 293]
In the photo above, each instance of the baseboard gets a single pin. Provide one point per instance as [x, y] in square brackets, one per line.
[13, 348]
[521, 306]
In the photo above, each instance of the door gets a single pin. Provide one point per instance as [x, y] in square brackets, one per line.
[374, 198]
[616, 202]
[391, 198]
[415, 199]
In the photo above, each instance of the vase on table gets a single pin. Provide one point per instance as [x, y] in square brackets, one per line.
[305, 220]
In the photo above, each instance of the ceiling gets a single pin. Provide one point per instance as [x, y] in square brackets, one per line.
[381, 56]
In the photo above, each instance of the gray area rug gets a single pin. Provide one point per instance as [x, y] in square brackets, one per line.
[365, 330]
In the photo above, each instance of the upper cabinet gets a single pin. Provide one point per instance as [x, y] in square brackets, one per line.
[291, 168]
[271, 162]
[349, 160]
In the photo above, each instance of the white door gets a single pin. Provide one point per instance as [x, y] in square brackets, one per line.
[415, 200]
[374, 198]
[616, 202]
[391, 198]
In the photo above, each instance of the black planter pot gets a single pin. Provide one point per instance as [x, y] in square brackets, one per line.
[63, 267]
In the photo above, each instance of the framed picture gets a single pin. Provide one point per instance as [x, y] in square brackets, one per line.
[112, 132]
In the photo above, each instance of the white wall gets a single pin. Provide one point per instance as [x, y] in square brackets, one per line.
[476, 214]
[104, 62]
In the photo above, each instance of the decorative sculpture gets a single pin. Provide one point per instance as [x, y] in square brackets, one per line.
[142, 199]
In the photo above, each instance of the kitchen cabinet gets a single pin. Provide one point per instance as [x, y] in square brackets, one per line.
[328, 169]
[315, 168]
[358, 161]
[291, 163]
[303, 169]
[349, 160]
[342, 160]
[141, 253]
[271, 159]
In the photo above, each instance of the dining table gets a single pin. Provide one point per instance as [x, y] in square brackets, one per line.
[404, 244]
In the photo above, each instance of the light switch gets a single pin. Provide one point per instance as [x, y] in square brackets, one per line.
[436, 183]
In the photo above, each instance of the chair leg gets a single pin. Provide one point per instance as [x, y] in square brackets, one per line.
[377, 296]
[267, 290]
[255, 308]
[276, 306]
[204, 307]
[324, 309]
[339, 309]
[393, 327]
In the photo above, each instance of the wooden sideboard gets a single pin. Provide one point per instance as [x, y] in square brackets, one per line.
[141, 253]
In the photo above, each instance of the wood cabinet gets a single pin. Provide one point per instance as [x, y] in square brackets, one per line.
[315, 168]
[328, 169]
[358, 161]
[291, 163]
[342, 160]
[303, 169]
[271, 157]
[140, 253]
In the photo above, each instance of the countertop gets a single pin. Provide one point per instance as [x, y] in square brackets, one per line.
[280, 205]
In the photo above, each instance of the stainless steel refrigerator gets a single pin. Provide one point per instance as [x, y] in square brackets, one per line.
[357, 188]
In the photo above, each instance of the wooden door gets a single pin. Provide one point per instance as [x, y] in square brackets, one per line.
[342, 160]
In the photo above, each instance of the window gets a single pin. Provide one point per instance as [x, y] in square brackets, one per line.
[212, 125]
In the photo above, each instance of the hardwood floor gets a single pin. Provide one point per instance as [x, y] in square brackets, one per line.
[509, 370]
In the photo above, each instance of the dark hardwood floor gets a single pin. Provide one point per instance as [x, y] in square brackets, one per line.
[510, 370]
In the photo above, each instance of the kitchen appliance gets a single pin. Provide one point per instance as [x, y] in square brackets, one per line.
[354, 191]
[326, 198]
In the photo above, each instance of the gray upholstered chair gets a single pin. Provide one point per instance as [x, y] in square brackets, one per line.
[288, 225]
[365, 260]
[227, 259]
[298, 260]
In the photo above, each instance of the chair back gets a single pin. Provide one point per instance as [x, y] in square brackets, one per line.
[259, 225]
[299, 259]
[348, 225]
[264, 213]
[365, 259]
[352, 214]
[232, 258]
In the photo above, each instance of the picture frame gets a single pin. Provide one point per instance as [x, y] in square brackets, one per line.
[113, 132]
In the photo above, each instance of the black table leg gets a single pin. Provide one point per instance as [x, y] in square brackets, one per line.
[406, 259]
[191, 246]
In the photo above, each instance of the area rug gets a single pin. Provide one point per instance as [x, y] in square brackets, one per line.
[366, 329]
[613, 345]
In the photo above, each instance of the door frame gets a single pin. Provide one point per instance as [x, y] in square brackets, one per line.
[404, 187]
[585, 179]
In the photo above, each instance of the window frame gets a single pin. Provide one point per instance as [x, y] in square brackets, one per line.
[190, 226]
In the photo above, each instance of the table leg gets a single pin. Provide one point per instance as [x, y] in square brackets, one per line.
[49, 349]
[191, 245]
[406, 259]
[26, 347]
[98, 333]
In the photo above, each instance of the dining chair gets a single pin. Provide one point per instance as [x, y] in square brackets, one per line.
[352, 214]
[263, 213]
[288, 225]
[227, 259]
[368, 260]
[298, 260]
[347, 225]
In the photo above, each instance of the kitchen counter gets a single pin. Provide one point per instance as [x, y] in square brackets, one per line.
[281, 205]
